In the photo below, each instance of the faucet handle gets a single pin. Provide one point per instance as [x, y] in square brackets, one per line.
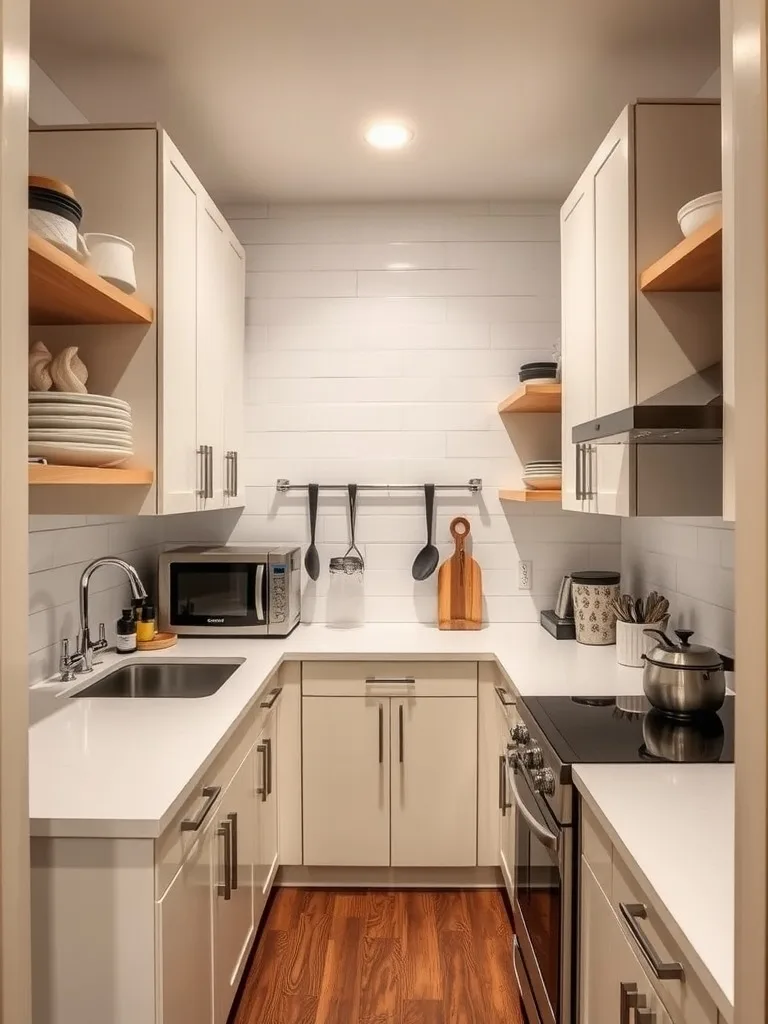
[102, 633]
[64, 659]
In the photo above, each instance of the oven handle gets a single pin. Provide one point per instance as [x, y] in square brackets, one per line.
[258, 587]
[549, 839]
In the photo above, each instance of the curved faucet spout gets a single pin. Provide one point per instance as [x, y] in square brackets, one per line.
[137, 590]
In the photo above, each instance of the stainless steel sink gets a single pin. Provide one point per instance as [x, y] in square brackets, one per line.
[161, 679]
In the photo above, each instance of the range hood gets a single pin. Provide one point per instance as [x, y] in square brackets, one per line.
[690, 412]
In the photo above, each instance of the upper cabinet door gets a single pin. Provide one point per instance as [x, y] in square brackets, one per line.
[434, 797]
[213, 348]
[234, 430]
[177, 391]
[614, 271]
[577, 255]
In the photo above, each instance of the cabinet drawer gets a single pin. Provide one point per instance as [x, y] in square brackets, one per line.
[596, 849]
[176, 843]
[389, 679]
[686, 1000]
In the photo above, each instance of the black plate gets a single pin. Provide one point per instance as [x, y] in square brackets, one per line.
[49, 194]
[537, 366]
[537, 375]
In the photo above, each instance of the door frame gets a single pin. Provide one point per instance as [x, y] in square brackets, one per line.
[15, 943]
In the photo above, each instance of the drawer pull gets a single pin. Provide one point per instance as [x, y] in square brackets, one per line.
[381, 734]
[225, 832]
[390, 681]
[263, 791]
[193, 824]
[630, 1000]
[273, 695]
[645, 1017]
[634, 912]
[502, 694]
[232, 818]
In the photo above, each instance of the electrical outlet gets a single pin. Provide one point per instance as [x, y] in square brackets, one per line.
[524, 575]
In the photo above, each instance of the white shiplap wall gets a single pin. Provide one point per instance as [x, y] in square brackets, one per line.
[691, 562]
[379, 341]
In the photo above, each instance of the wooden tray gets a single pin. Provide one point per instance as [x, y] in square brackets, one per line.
[158, 643]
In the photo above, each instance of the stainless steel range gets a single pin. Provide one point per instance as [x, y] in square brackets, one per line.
[555, 733]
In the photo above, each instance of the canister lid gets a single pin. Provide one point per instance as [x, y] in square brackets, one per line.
[596, 578]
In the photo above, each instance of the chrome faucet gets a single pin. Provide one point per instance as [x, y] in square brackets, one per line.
[83, 660]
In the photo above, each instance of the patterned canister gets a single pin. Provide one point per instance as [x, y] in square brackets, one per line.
[593, 591]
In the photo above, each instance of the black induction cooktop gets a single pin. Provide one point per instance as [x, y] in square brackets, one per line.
[623, 730]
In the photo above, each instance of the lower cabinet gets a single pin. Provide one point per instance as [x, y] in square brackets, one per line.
[266, 856]
[390, 781]
[506, 719]
[613, 985]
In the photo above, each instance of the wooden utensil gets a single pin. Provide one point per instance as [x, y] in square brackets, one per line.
[460, 585]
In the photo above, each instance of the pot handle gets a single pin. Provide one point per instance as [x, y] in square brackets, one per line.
[685, 635]
[662, 634]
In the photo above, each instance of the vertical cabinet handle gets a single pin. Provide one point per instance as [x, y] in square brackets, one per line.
[579, 495]
[225, 888]
[227, 474]
[630, 999]
[589, 455]
[400, 718]
[381, 734]
[202, 489]
[502, 784]
[232, 818]
[268, 761]
[262, 790]
[210, 470]
[235, 471]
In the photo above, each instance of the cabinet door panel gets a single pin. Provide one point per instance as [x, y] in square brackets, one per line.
[577, 255]
[234, 486]
[434, 781]
[212, 343]
[184, 941]
[266, 801]
[177, 442]
[607, 961]
[233, 916]
[345, 769]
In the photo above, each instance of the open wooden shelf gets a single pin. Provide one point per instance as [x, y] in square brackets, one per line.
[85, 476]
[63, 291]
[694, 265]
[531, 495]
[534, 398]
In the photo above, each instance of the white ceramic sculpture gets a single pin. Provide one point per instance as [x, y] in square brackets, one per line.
[40, 368]
[69, 372]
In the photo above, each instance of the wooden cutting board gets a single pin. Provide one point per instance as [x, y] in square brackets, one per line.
[460, 585]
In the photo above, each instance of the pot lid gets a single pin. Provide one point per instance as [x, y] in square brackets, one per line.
[683, 654]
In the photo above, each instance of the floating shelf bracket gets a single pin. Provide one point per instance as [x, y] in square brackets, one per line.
[475, 486]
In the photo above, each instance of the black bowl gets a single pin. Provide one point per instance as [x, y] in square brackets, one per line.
[548, 374]
[48, 194]
[538, 366]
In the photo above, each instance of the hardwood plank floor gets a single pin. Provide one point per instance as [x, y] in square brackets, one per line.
[376, 957]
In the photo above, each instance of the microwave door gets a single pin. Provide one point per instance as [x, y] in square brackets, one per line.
[218, 598]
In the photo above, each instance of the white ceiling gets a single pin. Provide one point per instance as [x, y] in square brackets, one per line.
[267, 99]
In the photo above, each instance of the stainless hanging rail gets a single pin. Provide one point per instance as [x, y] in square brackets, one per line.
[475, 486]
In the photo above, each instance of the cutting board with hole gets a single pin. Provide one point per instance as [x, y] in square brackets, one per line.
[460, 584]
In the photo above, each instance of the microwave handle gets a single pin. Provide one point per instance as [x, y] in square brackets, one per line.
[258, 591]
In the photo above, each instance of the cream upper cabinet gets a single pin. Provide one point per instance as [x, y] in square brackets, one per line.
[346, 781]
[612, 982]
[183, 374]
[434, 796]
[620, 346]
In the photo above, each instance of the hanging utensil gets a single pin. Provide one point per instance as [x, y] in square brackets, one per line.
[426, 561]
[350, 564]
[312, 558]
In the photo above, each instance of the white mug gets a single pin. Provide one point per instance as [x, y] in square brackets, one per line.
[59, 232]
[111, 257]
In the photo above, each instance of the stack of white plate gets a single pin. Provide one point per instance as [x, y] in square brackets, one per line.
[546, 475]
[79, 430]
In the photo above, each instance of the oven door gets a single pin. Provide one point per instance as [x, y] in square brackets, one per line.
[542, 906]
[210, 598]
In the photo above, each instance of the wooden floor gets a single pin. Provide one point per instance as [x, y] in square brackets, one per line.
[374, 957]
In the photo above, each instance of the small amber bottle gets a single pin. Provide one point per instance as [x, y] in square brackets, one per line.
[145, 630]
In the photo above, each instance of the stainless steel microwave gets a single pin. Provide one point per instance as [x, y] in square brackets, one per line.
[245, 590]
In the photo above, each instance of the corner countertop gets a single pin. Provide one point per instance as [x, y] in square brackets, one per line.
[121, 768]
[674, 827]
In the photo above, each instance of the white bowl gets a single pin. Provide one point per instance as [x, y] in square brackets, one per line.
[695, 214]
[543, 483]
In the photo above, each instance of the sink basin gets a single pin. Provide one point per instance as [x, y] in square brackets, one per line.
[161, 679]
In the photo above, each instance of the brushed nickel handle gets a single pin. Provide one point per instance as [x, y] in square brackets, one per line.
[262, 790]
[630, 1000]
[210, 470]
[227, 474]
[634, 912]
[268, 745]
[645, 1016]
[193, 824]
[390, 681]
[579, 495]
[202, 489]
[502, 779]
[402, 744]
[589, 452]
[381, 734]
[502, 694]
[225, 888]
[273, 695]
[232, 816]
[237, 474]
[258, 599]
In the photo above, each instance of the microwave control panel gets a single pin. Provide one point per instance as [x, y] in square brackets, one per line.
[278, 593]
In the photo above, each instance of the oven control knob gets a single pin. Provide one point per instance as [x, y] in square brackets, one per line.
[533, 757]
[544, 782]
[520, 733]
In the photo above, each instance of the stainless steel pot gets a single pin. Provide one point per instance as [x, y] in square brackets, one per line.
[682, 678]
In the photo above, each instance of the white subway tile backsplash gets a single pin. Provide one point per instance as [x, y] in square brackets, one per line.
[331, 311]
[349, 256]
[372, 336]
[422, 282]
[301, 283]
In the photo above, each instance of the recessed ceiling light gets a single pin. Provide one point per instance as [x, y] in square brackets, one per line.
[388, 135]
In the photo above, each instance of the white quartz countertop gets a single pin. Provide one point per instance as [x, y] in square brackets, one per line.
[674, 827]
[110, 767]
